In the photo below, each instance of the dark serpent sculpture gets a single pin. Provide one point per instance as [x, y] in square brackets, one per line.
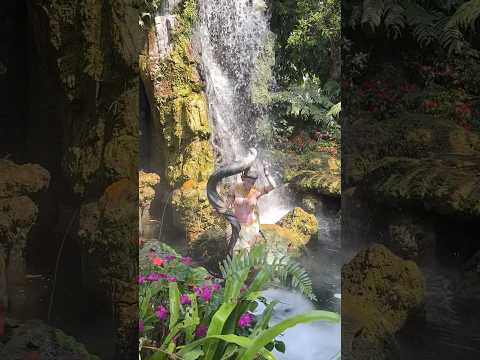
[216, 200]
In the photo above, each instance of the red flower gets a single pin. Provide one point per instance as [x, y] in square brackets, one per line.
[158, 261]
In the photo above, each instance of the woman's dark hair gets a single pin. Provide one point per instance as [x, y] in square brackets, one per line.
[250, 173]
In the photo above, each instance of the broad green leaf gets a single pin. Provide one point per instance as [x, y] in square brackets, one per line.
[270, 334]
[216, 327]
[233, 339]
[193, 355]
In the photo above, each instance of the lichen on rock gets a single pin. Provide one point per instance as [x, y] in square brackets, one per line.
[301, 223]
[193, 211]
[380, 292]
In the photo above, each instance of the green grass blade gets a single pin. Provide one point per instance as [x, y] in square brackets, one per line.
[174, 296]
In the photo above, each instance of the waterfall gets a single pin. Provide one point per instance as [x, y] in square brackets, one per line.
[231, 35]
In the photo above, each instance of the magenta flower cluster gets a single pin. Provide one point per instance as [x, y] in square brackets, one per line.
[155, 276]
[161, 312]
[205, 292]
[185, 300]
[245, 320]
[201, 330]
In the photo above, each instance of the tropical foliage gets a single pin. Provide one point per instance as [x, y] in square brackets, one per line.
[447, 23]
[307, 66]
[187, 314]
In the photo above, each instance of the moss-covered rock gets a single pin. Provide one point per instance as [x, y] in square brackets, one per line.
[282, 240]
[146, 187]
[181, 149]
[18, 214]
[192, 210]
[37, 340]
[17, 180]
[210, 248]
[315, 172]
[108, 233]
[181, 129]
[379, 292]
[301, 223]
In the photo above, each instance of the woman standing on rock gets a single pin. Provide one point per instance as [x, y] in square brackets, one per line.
[243, 198]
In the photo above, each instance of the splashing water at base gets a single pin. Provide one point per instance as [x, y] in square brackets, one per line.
[315, 341]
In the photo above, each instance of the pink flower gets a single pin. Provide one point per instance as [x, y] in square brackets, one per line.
[206, 294]
[197, 291]
[161, 312]
[170, 257]
[171, 279]
[142, 279]
[245, 320]
[185, 300]
[201, 330]
[187, 260]
[216, 286]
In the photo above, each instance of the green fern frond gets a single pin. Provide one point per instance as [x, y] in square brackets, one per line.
[281, 269]
[373, 11]
[428, 23]
[395, 20]
[466, 15]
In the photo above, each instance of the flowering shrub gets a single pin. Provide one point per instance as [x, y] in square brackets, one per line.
[187, 314]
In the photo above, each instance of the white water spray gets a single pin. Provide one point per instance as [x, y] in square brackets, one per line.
[314, 341]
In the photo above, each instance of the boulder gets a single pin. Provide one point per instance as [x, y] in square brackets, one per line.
[17, 180]
[300, 223]
[18, 214]
[37, 340]
[210, 248]
[380, 291]
[193, 212]
[281, 239]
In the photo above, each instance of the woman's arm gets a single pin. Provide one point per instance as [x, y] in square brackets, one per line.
[271, 182]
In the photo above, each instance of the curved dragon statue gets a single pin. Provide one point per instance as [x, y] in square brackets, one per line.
[216, 200]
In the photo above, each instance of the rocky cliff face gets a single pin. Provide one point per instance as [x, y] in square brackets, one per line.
[181, 152]
[18, 213]
[87, 51]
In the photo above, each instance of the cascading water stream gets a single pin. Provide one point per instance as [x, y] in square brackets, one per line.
[231, 36]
